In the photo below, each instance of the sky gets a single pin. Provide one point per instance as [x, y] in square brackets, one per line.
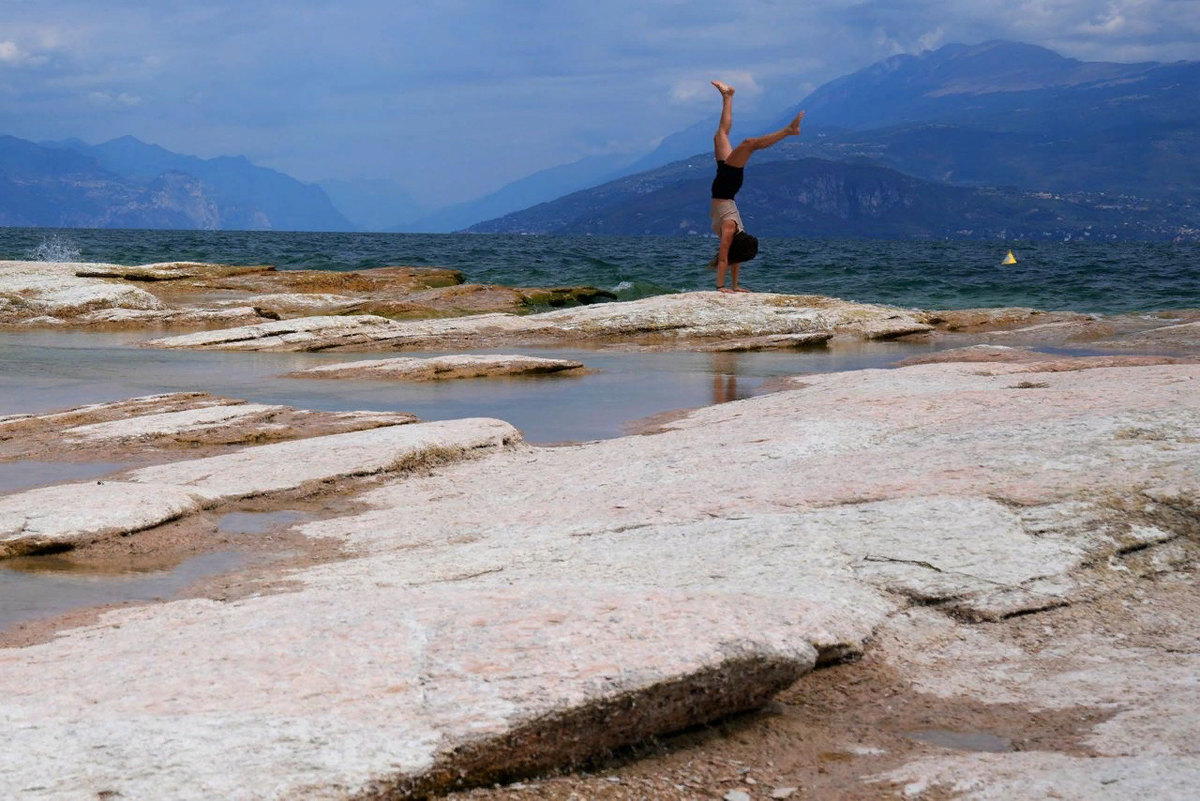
[455, 98]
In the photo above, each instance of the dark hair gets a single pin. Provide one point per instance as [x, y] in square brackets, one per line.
[743, 248]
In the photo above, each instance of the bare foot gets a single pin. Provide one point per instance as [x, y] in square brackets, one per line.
[794, 128]
[725, 89]
[740, 289]
[726, 290]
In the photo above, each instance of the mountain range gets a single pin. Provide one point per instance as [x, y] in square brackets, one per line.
[814, 197]
[1067, 148]
[1000, 136]
[126, 183]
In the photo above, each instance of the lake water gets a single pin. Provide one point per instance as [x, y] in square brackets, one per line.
[43, 371]
[1082, 276]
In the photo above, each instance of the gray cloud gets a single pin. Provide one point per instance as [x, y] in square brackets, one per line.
[455, 97]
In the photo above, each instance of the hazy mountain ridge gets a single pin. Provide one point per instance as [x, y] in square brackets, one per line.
[126, 183]
[1077, 147]
[821, 198]
[1003, 113]
[540, 186]
[998, 114]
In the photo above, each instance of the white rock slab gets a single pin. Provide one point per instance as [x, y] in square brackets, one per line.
[133, 407]
[71, 514]
[165, 271]
[290, 465]
[1146, 748]
[66, 515]
[374, 685]
[230, 315]
[772, 342]
[991, 777]
[54, 289]
[171, 422]
[514, 604]
[667, 318]
[302, 333]
[1181, 336]
[438, 368]
[75, 300]
[297, 302]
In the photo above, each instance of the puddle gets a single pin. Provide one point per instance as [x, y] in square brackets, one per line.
[259, 522]
[29, 473]
[55, 371]
[49, 370]
[962, 741]
[36, 587]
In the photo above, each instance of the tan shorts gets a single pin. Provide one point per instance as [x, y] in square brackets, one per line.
[723, 210]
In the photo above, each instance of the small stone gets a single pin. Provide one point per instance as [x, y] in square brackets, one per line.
[737, 795]
[784, 792]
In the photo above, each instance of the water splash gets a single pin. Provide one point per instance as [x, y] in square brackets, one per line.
[55, 249]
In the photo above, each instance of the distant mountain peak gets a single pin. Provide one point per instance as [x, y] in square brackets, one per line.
[125, 182]
[911, 87]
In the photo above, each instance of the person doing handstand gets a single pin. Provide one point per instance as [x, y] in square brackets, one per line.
[736, 245]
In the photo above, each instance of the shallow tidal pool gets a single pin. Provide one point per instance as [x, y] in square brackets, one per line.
[44, 372]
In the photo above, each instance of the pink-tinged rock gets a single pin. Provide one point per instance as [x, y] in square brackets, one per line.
[62, 517]
[538, 606]
[683, 320]
[174, 422]
[439, 368]
[291, 465]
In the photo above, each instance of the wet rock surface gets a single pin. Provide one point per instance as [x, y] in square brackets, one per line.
[442, 368]
[200, 296]
[973, 576]
[539, 607]
[668, 321]
[1163, 333]
[59, 518]
[258, 308]
[165, 427]
[1040, 362]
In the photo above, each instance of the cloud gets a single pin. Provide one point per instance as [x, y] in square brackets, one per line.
[456, 97]
[13, 55]
[113, 99]
[700, 89]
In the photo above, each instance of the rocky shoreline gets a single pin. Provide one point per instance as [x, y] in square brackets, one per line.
[224, 307]
[990, 541]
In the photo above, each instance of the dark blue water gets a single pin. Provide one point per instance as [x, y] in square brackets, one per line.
[1080, 276]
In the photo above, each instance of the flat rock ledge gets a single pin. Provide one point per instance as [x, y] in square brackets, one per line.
[192, 295]
[539, 606]
[1039, 362]
[65, 516]
[441, 368]
[138, 428]
[666, 320]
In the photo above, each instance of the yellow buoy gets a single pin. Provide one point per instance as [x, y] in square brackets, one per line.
[1009, 259]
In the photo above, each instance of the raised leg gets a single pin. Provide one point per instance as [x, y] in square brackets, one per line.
[721, 144]
[748, 147]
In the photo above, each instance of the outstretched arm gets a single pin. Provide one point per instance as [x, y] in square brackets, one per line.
[728, 229]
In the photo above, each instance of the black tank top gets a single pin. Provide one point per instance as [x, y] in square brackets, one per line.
[728, 181]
